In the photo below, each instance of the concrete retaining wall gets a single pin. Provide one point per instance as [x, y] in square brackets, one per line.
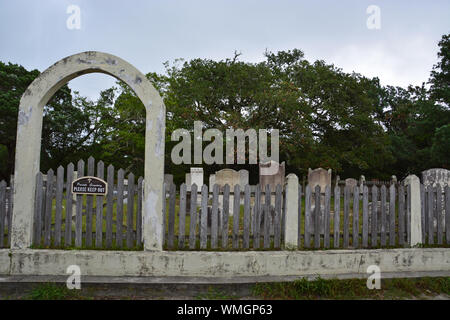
[222, 264]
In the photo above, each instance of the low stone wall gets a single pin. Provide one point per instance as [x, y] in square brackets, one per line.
[222, 264]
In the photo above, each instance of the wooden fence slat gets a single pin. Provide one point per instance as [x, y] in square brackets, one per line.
[79, 209]
[246, 239]
[355, 228]
[401, 215]
[99, 209]
[336, 216]
[38, 212]
[257, 218]
[307, 242]
[383, 216]
[58, 204]
[182, 216]
[326, 236]
[430, 214]
[109, 206]
[278, 213]
[119, 206]
[48, 208]
[267, 217]
[215, 217]
[225, 215]
[374, 217]
[447, 214]
[346, 216]
[69, 206]
[236, 214]
[299, 236]
[2, 211]
[392, 198]
[204, 218]
[171, 221]
[89, 205]
[365, 212]
[139, 212]
[439, 216]
[193, 217]
[317, 215]
[130, 211]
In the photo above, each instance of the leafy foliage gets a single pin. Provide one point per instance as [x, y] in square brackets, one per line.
[326, 117]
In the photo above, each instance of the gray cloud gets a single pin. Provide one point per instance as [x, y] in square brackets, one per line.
[148, 33]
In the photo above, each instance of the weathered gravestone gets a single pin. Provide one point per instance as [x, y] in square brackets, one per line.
[319, 177]
[227, 176]
[434, 177]
[350, 182]
[322, 178]
[271, 173]
[232, 178]
[195, 176]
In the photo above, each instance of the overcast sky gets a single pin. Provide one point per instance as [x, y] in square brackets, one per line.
[147, 33]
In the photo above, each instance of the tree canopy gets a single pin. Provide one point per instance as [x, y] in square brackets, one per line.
[326, 117]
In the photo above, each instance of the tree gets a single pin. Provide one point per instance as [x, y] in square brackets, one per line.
[14, 80]
[67, 123]
[440, 75]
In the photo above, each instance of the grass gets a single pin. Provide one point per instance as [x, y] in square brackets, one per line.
[406, 288]
[52, 291]
[302, 289]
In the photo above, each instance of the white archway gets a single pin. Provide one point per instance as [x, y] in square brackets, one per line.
[29, 131]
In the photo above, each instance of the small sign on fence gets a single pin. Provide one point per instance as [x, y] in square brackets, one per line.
[89, 185]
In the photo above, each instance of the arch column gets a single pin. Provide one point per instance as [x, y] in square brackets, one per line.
[29, 132]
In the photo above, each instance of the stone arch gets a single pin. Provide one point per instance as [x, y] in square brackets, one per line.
[29, 131]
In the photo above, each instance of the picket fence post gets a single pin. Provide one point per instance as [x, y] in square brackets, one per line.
[291, 226]
[415, 207]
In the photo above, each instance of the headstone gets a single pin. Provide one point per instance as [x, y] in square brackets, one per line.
[394, 179]
[322, 178]
[272, 173]
[351, 182]
[319, 177]
[227, 176]
[436, 176]
[338, 178]
[197, 177]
